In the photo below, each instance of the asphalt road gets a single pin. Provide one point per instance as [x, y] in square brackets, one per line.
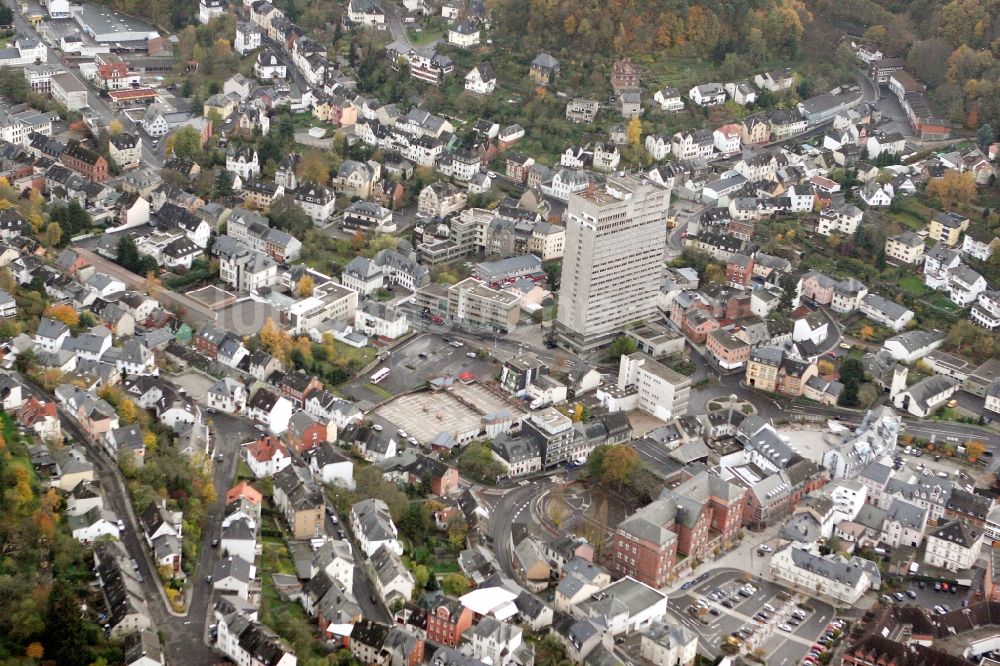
[398, 30]
[175, 630]
[362, 587]
[513, 506]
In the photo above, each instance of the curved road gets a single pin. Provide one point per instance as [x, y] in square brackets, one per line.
[513, 506]
[398, 30]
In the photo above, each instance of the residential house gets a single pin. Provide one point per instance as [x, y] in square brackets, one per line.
[305, 432]
[373, 527]
[832, 577]
[775, 81]
[669, 99]
[668, 645]
[905, 247]
[709, 94]
[847, 295]
[331, 466]
[267, 456]
[741, 92]
[447, 620]
[885, 312]
[954, 546]
[301, 501]
[481, 79]
[947, 228]
[227, 395]
[965, 285]
[979, 244]
[544, 69]
[924, 397]
[581, 110]
[393, 580]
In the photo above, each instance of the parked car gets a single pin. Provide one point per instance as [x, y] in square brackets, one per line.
[784, 627]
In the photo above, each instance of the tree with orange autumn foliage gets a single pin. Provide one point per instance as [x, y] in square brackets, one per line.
[35, 651]
[64, 313]
[952, 188]
[20, 495]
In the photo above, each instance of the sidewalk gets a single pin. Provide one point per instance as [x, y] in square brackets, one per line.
[742, 558]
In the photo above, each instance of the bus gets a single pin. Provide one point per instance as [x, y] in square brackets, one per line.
[379, 376]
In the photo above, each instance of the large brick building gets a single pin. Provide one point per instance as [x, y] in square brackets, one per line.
[702, 513]
[85, 161]
[447, 621]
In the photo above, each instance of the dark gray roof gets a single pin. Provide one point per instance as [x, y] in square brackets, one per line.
[906, 514]
[832, 569]
[914, 340]
[931, 386]
[958, 532]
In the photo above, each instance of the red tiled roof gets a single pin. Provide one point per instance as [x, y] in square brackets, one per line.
[265, 448]
[244, 490]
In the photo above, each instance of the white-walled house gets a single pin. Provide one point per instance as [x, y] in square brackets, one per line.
[669, 99]
[844, 581]
[272, 410]
[227, 395]
[965, 285]
[910, 346]
[331, 466]
[658, 146]
[922, 398]
[954, 546]
[373, 527]
[481, 79]
[267, 456]
[709, 94]
[885, 312]
[244, 641]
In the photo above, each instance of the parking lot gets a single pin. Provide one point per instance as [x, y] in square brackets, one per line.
[927, 597]
[782, 648]
[425, 415]
[194, 383]
[414, 363]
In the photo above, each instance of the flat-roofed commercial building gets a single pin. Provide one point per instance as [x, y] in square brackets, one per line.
[476, 305]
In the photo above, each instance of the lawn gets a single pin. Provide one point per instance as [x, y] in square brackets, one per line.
[942, 302]
[913, 215]
[424, 36]
[349, 354]
[913, 285]
[18, 448]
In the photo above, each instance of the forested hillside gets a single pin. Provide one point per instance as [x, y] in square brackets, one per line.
[44, 572]
[676, 41]
[637, 27]
[953, 47]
